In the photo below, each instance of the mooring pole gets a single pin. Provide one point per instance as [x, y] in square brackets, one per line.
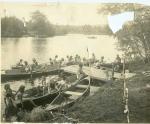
[125, 94]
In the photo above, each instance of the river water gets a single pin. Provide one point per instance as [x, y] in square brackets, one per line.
[12, 49]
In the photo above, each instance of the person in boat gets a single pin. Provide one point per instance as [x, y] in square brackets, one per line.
[67, 59]
[76, 58]
[27, 68]
[55, 59]
[20, 63]
[80, 73]
[62, 62]
[19, 96]
[97, 64]
[35, 63]
[102, 60]
[10, 107]
[50, 61]
[70, 59]
[62, 83]
[84, 61]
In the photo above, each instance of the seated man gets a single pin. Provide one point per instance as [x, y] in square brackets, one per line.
[27, 67]
[20, 63]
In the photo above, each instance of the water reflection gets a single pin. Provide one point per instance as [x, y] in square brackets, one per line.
[12, 49]
[39, 47]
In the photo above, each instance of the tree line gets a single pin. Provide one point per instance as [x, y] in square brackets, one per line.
[40, 26]
[134, 37]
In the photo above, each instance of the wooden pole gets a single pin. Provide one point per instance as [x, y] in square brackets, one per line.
[125, 95]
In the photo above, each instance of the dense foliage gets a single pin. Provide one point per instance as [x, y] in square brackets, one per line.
[134, 37]
[40, 26]
[12, 27]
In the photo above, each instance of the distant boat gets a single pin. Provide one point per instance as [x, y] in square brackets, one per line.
[92, 37]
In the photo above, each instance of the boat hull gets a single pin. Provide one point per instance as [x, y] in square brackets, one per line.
[43, 100]
[19, 76]
[52, 107]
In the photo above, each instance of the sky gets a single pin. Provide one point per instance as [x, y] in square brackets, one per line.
[68, 12]
[57, 13]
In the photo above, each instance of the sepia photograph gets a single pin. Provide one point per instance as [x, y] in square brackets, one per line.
[72, 62]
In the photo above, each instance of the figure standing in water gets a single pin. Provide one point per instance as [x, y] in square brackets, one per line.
[10, 107]
[19, 96]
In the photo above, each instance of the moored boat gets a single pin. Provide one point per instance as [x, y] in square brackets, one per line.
[33, 98]
[70, 96]
[17, 73]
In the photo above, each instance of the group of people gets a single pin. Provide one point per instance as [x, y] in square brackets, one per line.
[10, 98]
[69, 60]
[45, 85]
[26, 66]
[49, 84]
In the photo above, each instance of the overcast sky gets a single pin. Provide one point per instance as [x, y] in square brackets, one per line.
[58, 13]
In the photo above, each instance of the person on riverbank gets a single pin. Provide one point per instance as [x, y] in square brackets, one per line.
[93, 58]
[80, 73]
[118, 59]
[117, 63]
[10, 107]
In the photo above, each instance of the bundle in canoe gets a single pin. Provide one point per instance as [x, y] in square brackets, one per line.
[70, 96]
[33, 98]
[16, 73]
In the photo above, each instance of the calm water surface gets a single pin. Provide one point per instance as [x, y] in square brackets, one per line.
[12, 49]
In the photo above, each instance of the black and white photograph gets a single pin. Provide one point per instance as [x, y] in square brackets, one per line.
[75, 62]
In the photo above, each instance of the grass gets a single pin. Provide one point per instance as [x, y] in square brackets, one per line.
[107, 104]
[37, 115]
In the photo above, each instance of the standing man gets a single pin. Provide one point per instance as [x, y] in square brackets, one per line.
[80, 73]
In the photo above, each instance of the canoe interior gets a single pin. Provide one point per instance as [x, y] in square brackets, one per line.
[69, 97]
[38, 98]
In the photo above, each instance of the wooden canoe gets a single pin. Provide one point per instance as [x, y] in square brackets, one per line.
[19, 73]
[69, 97]
[32, 99]
[29, 102]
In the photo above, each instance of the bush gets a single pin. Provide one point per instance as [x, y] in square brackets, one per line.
[37, 115]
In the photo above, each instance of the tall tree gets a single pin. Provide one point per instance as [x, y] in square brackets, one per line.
[39, 25]
[11, 27]
[135, 34]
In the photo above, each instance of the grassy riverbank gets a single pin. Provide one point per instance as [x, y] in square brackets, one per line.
[107, 104]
